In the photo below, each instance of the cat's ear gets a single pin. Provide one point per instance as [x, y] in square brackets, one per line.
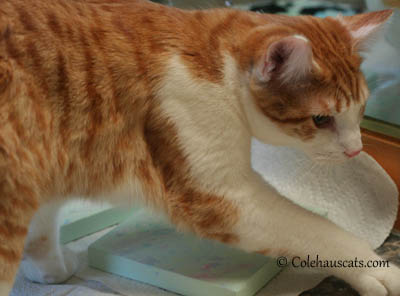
[365, 27]
[288, 59]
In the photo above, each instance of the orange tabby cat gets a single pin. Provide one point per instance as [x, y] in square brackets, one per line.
[131, 100]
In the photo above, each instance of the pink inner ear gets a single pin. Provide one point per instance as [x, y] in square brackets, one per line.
[289, 58]
[299, 62]
[364, 31]
[364, 27]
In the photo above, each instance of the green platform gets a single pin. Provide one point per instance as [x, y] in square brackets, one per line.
[149, 250]
[82, 219]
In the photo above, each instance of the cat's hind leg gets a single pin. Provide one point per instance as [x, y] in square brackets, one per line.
[17, 205]
[45, 260]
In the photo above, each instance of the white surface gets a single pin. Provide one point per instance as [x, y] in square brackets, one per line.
[357, 195]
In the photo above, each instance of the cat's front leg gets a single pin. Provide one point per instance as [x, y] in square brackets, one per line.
[45, 260]
[271, 224]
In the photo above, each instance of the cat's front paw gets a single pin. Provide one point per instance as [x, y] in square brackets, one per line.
[52, 269]
[382, 282]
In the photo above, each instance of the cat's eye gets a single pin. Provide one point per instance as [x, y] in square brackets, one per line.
[322, 121]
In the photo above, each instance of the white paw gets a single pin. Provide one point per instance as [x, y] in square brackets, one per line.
[51, 269]
[391, 280]
[370, 286]
[382, 282]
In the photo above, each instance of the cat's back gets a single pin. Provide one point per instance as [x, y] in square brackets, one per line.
[66, 47]
[61, 20]
[79, 73]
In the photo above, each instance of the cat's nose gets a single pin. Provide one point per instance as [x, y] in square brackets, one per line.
[352, 153]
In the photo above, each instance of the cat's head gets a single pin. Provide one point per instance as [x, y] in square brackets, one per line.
[306, 86]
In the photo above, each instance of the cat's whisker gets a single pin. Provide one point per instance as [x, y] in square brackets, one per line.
[301, 162]
[315, 166]
[370, 145]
